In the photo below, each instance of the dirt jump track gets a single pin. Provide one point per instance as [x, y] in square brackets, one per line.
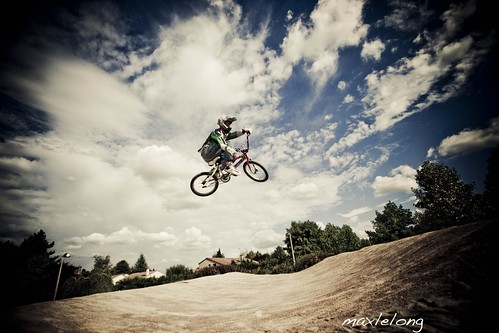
[435, 282]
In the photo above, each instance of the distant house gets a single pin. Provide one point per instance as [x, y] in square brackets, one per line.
[212, 262]
[145, 275]
[118, 278]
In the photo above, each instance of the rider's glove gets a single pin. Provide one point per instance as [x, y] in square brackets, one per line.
[246, 130]
[230, 150]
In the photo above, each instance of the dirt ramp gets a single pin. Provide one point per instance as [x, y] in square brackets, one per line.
[435, 282]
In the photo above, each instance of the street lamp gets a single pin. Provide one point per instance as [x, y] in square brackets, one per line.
[65, 255]
[292, 250]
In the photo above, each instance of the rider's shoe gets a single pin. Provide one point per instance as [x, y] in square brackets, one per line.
[233, 171]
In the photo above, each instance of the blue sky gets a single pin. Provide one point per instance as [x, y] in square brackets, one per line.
[104, 105]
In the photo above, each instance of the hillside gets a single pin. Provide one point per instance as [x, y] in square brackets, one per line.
[435, 282]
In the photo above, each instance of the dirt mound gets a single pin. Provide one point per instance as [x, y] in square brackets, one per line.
[435, 282]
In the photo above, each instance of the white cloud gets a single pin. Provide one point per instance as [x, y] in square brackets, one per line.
[407, 15]
[356, 212]
[468, 141]
[151, 164]
[205, 67]
[193, 238]
[360, 132]
[401, 179]
[335, 24]
[372, 49]
[266, 239]
[393, 94]
[304, 191]
[430, 152]
[122, 236]
[348, 99]
[85, 102]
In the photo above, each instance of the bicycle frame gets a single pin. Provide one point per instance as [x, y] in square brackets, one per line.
[206, 183]
[217, 170]
[218, 173]
[244, 157]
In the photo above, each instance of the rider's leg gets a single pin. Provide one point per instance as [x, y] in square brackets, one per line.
[227, 164]
[210, 153]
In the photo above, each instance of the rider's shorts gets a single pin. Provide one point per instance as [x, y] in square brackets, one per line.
[210, 152]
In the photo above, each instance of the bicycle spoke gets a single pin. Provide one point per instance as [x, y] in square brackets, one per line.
[204, 184]
[255, 171]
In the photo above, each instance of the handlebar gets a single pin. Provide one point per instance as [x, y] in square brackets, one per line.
[244, 148]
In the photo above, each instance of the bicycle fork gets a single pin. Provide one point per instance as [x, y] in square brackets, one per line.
[242, 158]
[212, 175]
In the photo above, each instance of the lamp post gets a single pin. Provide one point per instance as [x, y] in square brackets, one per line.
[292, 250]
[65, 255]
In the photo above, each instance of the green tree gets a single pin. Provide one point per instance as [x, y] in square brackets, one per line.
[335, 240]
[138, 282]
[37, 272]
[250, 255]
[280, 255]
[95, 282]
[10, 258]
[9, 279]
[31, 270]
[391, 224]
[306, 238]
[178, 273]
[265, 262]
[364, 242]
[102, 264]
[348, 239]
[260, 256]
[330, 240]
[140, 265]
[122, 267]
[218, 254]
[491, 193]
[99, 282]
[445, 198]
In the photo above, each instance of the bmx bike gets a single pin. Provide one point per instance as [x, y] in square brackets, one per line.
[207, 182]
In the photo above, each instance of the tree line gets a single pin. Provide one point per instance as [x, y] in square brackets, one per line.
[442, 200]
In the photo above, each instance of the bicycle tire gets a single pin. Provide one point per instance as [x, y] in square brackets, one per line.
[203, 190]
[255, 171]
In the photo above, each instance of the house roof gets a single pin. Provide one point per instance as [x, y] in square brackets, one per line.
[140, 274]
[221, 261]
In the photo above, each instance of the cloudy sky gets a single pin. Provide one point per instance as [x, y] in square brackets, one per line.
[104, 105]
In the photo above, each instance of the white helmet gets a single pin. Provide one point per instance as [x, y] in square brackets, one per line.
[225, 123]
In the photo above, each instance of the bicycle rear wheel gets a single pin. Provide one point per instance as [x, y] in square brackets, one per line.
[255, 171]
[203, 184]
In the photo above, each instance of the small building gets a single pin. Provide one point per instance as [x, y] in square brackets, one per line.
[118, 278]
[148, 274]
[212, 262]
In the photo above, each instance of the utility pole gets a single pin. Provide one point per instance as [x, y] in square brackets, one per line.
[292, 250]
[66, 255]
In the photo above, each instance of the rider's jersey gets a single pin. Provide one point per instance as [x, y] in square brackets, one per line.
[219, 137]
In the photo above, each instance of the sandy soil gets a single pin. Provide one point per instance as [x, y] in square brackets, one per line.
[435, 282]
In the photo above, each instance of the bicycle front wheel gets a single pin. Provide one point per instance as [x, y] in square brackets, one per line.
[203, 184]
[255, 171]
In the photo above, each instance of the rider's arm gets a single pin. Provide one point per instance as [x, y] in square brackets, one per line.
[235, 134]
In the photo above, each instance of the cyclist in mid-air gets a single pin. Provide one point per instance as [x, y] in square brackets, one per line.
[217, 144]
